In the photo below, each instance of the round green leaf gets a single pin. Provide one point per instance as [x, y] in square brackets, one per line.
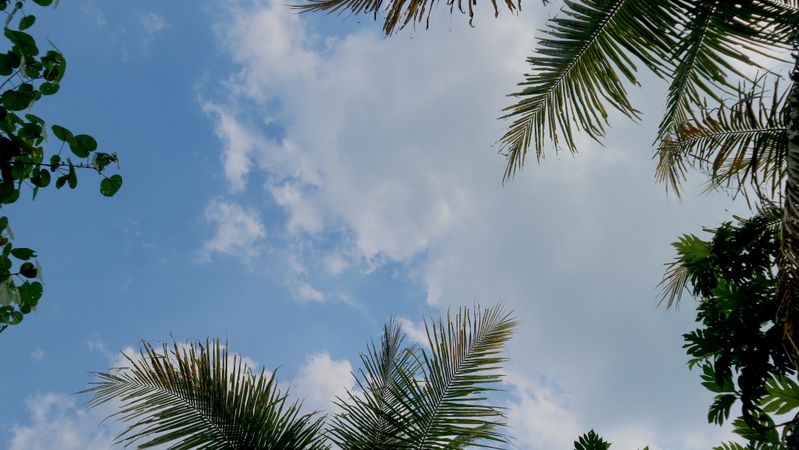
[24, 42]
[87, 141]
[41, 179]
[82, 145]
[62, 133]
[16, 100]
[109, 186]
[48, 88]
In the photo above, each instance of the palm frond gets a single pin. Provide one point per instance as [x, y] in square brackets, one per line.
[445, 406]
[366, 420]
[673, 284]
[715, 38]
[431, 398]
[582, 65]
[743, 144]
[195, 396]
[399, 13]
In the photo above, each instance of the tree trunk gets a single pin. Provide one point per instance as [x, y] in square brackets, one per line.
[788, 289]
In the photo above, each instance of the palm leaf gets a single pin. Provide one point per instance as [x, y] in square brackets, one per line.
[743, 144]
[365, 421]
[580, 70]
[195, 396]
[715, 36]
[444, 406]
[431, 398]
[399, 13]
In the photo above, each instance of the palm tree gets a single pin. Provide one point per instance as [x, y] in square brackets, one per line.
[408, 397]
[742, 131]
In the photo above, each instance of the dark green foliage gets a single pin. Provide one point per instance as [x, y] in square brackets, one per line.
[24, 162]
[199, 396]
[739, 345]
[591, 441]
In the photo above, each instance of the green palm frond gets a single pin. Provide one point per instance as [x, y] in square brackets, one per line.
[365, 421]
[196, 396]
[716, 36]
[433, 398]
[399, 13]
[742, 144]
[582, 65]
[444, 406]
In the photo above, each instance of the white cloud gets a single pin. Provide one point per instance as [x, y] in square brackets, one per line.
[415, 332]
[239, 145]
[540, 418]
[320, 380]
[239, 231]
[153, 25]
[304, 292]
[37, 355]
[335, 264]
[95, 13]
[95, 344]
[272, 40]
[390, 140]
[56, 422]
[303, 215]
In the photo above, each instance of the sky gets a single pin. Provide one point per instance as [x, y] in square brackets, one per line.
[293, 181]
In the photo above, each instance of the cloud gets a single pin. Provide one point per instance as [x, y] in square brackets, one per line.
[239, 231]
[320, 380]
[95, 13]
[539, 417]
[272, 40]
[153, 25]
[335, 264]
[415, 332]
[386, 145]
[239, 144]
[304, 291]
[56, 422]
[37, 355]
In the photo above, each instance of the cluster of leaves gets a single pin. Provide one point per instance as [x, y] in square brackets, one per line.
[593, 441]
[739, 345]
[30, 75]
[409, 396]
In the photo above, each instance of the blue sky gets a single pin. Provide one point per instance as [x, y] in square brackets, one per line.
[291, 182]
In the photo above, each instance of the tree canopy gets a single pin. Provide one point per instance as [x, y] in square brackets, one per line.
[27, 162]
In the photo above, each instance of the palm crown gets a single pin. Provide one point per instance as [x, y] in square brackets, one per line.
[430, 396]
